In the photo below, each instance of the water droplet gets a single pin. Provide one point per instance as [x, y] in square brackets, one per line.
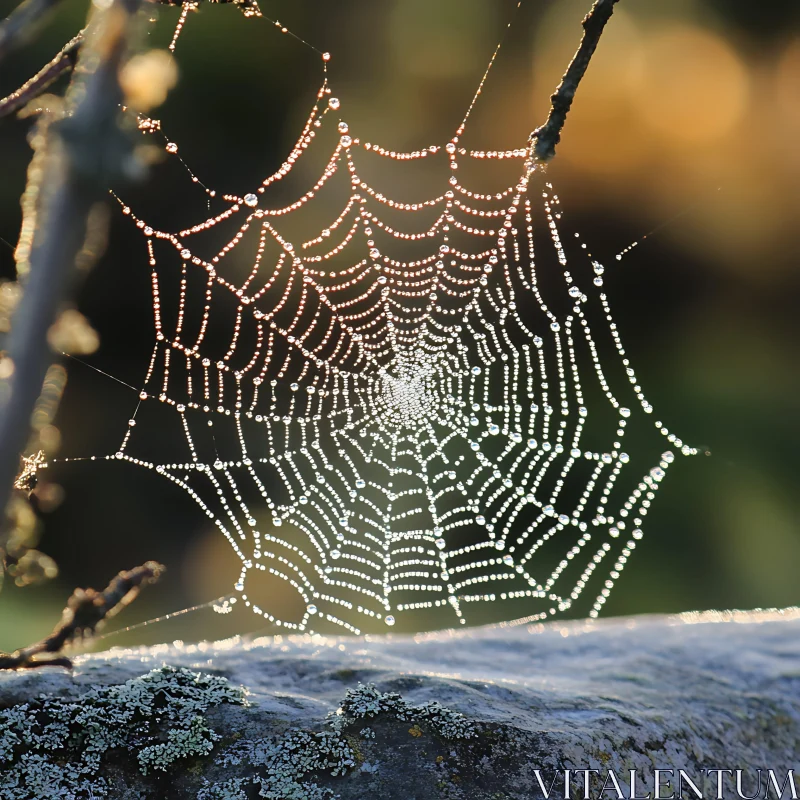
[389, 620]
[333, 102]
[251, 200]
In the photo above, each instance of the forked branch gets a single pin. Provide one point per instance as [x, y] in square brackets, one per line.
[85, 610]
[545, 138]
[17, 26]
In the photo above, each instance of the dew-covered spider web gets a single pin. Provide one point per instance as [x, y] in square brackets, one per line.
[410, 414]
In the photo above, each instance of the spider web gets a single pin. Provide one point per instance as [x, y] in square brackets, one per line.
[399, 416]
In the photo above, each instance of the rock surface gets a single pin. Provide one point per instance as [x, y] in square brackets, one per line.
[695, 692]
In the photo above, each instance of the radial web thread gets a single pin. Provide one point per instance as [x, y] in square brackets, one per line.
[398, 422]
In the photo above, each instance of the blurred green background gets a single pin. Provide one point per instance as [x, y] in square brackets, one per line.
[688, 106]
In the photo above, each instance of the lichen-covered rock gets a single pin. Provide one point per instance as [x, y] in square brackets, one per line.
[470, 715]
[51, 746]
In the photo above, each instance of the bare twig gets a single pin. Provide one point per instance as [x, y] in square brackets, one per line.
[85, 610]
[83, 151]
[19, 24]
[48, 74]
[545, 138]
[67, 57]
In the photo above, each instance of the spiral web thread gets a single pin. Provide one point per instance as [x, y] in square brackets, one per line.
[410, 425]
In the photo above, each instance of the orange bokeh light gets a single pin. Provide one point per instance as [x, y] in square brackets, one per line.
[697, 86]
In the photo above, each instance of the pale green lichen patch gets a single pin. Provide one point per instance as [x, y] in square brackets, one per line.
[365, 702]
[57, 747]
[284, 767]
[280, 766]
[233, 789]
[91, 745]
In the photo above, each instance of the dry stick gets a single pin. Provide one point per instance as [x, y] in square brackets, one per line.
[545, 138]
[48, 74]
[85, 610]
[85, 150]
[18, 25]
[65, 61]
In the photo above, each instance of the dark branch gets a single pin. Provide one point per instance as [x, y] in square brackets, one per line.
[545, 138]
[75, 158]
[66, 59]
[17, 27]
[47, 75]
[85, 610]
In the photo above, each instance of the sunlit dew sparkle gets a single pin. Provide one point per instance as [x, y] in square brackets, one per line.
[415, 428]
